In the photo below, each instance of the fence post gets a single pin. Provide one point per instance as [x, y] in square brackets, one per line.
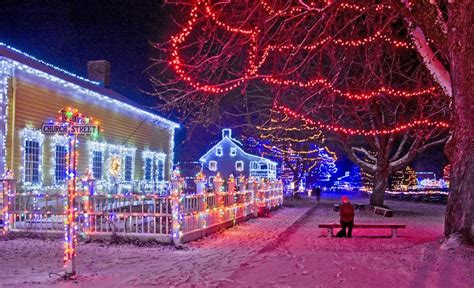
[242, 184]
[8, 191]
[88, 181]
[231, 188]
[280, 192]
[264, 195]
[255, 197]
[177, 216]
[219, 198]
[200, 182]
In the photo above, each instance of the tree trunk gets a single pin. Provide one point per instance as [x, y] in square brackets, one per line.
[459, 212]
[296, 180]
[380, 185]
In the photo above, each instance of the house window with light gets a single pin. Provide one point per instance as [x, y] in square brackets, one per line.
[160, 170]
[253, 165]
[233, 151]
[97, 164]
[32, 151]
[32, 161]
[213, 165]
[239, 165]
[219, 151]
[148, 169]
[60, 167]
[128, 164]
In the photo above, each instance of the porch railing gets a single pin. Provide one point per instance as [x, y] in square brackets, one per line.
[175, 217]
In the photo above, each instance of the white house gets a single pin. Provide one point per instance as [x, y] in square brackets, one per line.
[227, 157]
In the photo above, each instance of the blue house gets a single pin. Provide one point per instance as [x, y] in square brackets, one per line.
[227, 157]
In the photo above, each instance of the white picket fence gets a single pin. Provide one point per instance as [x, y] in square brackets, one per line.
[174, 218]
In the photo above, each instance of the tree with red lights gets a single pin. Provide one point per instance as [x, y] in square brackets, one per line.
[442, 33]
[340, 66]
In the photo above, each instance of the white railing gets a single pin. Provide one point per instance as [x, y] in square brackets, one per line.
[174, 218]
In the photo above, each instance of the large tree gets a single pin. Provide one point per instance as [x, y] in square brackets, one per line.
[449, 25]
[333, 55]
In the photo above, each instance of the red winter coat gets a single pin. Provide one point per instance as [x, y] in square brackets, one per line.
[347, 212]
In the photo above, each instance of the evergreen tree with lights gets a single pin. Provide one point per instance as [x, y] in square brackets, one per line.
[299, 150]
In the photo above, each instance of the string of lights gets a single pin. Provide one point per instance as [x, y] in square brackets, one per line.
[293, 10]
[361, 132]
[254, 65]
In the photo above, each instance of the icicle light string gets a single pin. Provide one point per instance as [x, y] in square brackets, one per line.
[361, 132]
[253, 65]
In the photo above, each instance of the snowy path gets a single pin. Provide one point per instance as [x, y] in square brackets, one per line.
[205, 262]
[306, 258]
[286, 249]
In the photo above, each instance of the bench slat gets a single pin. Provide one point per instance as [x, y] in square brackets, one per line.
[335, 225]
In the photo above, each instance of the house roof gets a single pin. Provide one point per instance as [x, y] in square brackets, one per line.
[92, 86]
[237, 144]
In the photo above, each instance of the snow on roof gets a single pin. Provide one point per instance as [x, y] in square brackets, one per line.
[227, 136]
[20, 57]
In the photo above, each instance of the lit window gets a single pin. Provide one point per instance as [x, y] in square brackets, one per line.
[219, 151]
[239, 165]
[233, 151]
[212, 165]
[148, 169]
[253, 165]
[97, 164]
[128, 168]
[60, 169]
[32, 161]
[160, 170]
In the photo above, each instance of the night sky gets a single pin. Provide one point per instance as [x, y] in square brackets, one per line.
[69, 33]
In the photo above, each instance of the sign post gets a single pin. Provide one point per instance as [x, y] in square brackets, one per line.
[72, 124]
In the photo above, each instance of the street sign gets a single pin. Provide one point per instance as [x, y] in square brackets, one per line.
[77, 129]
[71, 123]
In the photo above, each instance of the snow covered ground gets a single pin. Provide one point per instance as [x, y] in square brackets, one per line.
[284, 250]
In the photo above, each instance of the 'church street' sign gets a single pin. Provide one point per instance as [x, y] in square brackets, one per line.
[78, 129]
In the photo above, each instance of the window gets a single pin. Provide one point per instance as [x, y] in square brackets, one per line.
[148, 169]
[32, 161]
[97, 164]
[160, 170]
[127, 169]
[263, 166]
[233, 151]
[219, 151]
[253, 165]
[60, 168]
[212, 165]
[239, 165]
[32, 152]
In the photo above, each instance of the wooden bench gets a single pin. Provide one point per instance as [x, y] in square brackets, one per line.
[385, 212]
[393, 227]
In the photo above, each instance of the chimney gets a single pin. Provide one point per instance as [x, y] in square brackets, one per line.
[226, 133]
[99, 71]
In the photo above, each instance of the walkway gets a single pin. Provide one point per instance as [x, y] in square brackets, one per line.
[285, 249]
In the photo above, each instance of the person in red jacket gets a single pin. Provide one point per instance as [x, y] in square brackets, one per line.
[346, 212]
